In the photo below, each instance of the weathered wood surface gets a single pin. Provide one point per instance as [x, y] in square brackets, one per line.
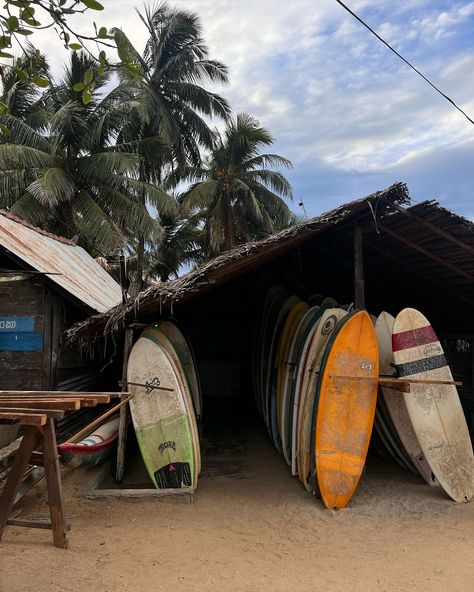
[54, 413]
[22, 457]
[123, 424]
[86, 429]
[68, 405]
[53, 483]
[38, 419]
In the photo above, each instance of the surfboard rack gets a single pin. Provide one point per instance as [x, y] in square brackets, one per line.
[400, 384]
[148, 386]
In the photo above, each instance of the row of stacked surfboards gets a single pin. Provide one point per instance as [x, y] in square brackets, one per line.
[166, 405]
[316, 370]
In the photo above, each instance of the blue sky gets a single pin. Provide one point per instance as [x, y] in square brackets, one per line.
[347, 112]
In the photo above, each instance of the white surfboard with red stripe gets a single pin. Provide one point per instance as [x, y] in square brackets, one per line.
[395, 402]
[434, 409]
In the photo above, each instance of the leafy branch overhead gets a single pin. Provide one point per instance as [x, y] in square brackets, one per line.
[19, 20]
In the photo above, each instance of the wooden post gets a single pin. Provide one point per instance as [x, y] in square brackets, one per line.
[22, 457]
[122, 435]
[53, 483]
[359, 290]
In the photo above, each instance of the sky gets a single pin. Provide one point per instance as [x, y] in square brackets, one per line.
[351, 117]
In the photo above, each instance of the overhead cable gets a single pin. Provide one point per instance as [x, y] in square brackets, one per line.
[406, 61]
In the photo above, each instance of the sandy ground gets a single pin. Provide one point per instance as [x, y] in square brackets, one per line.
[254, 528]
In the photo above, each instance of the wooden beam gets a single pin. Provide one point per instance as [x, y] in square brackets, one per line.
[403, 387]
[37, 419]
[359, 288]
[102, 397]
[54, 413]
[427, 253]
[419, 274]
[71, 405]
[22, 457]
[408, 379]
[123, 424]
[53, 484]
[86, 429]
[439, 231]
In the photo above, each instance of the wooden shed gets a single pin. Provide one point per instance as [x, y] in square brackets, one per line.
[47, 283]
[382, 252]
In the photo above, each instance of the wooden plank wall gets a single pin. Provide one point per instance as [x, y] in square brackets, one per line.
[23, 369]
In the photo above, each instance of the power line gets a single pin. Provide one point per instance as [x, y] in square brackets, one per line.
[406, 61]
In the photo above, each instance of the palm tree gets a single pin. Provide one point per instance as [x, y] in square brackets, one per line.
[69, 173]
[236, 190]
[171, 99]
[180, 246]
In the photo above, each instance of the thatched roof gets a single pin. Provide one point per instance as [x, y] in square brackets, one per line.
[161, 299]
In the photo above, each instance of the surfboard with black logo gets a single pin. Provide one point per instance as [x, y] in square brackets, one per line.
[435, 409]
[160, 416]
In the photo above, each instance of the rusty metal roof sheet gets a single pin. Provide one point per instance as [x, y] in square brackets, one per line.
[72, 268]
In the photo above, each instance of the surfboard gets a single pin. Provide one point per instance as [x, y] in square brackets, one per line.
[289, 380]
[300, 361]
[329, 321]
[395, 402]
[290, 326]
[434, 409]
[187, 359]
[160, 417]
[273, 303]
[271, 371]
[155, 334]
[344, 408]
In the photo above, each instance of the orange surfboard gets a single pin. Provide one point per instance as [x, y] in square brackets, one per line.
[345, 408]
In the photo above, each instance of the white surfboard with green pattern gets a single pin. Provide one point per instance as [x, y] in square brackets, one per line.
[160, 416]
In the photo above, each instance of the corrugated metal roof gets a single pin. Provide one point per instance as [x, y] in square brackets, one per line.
[78, 273]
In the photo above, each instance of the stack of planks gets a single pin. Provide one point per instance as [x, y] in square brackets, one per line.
[36, 412]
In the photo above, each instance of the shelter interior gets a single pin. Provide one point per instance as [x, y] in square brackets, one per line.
[420, 257]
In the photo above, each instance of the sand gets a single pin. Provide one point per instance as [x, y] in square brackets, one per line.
[251, 527]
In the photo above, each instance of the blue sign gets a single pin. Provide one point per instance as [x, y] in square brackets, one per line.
[21, 342]
[17, 324]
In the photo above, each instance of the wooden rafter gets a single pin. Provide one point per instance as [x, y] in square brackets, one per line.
[419, 274]
[427, 253]
[435, 229]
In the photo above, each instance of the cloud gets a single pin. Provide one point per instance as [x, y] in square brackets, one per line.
[349, 114]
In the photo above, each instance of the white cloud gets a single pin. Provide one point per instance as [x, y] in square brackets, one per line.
[329, 92]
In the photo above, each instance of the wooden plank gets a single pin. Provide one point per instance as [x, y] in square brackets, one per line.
[12, 485]
[123, 423]
[30, 523]
[25, 418]
[53, 483]
[86, 429]
[56, 330]
[78, 394]
[7, 451]
[54, 413]
[403, 387]
[71, 405]
[457, 270]
[385, 379]
[46, 382]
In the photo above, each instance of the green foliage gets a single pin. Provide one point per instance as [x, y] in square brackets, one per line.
[64, 172]
[78, 159]
[19, 19]
[239, 196]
